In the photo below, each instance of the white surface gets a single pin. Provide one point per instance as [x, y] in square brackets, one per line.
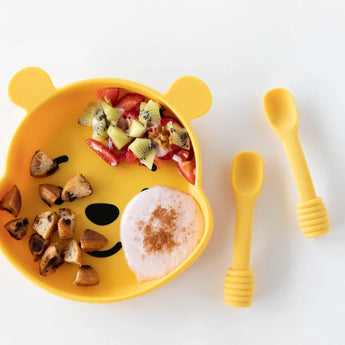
[240, 49]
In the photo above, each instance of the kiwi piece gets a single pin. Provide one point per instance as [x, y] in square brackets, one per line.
[112, 114]
[136, 129]
[144, 151]
[99, 124]
[179, 135]
[150, 114]
[88, 114]
[118, 136]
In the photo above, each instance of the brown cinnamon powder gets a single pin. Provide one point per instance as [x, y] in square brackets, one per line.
[159, 230]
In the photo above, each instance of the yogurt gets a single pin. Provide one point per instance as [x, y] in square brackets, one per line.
[159, 229]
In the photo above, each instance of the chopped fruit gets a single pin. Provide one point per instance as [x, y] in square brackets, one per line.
[144, 151]
[112, 114]
[118, 136]
[42, 165]
[181, 156]
[76, 187]
[136, 129]
[179, 135]
[128, 156]
[17, 227]
[149, 114]
[109, 94]
[88, 114]
[106, 154]
[99, 124]
[12, 201]
[165, 120]
[133, 114]
[129, 100]
[187, 169]
[159, 162]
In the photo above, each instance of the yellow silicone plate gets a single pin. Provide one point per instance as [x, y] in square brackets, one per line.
[51, 125]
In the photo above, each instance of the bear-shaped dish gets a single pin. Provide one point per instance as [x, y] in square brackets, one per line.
[51, 125]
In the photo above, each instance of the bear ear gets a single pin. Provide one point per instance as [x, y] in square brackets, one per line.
[189, 96]
[30, 87]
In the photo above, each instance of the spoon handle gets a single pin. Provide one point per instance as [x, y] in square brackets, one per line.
[239, 281]
[299, 167]
[311, 211]
[243, 234]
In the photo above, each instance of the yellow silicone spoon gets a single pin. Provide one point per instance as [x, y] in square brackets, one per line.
[246, 178]
[282, 115]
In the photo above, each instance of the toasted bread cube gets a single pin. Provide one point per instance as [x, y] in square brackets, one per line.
[75, 188]
[66, 224]
[72, 253]
[49, 193]
[51, 259]
[91, 240]
[12, 201]
[37, 245]
[86, 276]
[42, 165]
[45, 223]
[17, 227]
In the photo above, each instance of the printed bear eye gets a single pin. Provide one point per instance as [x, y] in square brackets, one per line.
[102, 213]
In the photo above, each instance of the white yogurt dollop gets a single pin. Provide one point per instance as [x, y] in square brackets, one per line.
[160, 227]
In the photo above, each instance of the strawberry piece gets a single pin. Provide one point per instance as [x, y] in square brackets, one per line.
[129, 101]
[133, 114]
[183, 155]
[187, 169]
[107, 155]
[128, 156]
[159, 162]
[109, 94]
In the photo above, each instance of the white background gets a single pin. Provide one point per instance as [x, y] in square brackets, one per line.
[241, 49]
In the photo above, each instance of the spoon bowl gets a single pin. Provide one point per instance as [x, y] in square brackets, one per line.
[281, 110]
[247, 174]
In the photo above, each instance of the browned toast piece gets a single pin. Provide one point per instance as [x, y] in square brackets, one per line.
[86, 276]
[42, 165]
[75, 188]
[17, 227]
[66, 224]
[37, 245]
[51, 259]
[45, 223]
[11, 201]
[91, 240]
[49, 193]
[72, 253]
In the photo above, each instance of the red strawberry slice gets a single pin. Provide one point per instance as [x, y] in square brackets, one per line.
[159, 162]
[128, 156]
[165, 120]
[187, 169]
[183, 155]
[109, 94]
[130, 100]
[133, 114]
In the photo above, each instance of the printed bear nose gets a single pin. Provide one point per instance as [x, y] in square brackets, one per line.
[102, 213]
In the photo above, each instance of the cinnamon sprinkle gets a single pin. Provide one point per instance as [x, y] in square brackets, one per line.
[159, 230]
